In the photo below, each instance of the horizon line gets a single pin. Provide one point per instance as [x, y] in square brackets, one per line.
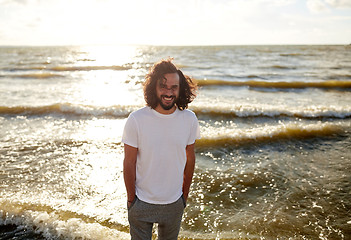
[173, 45]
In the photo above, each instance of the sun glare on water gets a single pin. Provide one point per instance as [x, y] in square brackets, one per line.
[109, 55]
[108, 79]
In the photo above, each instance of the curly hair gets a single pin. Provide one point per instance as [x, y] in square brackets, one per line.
[187, 88]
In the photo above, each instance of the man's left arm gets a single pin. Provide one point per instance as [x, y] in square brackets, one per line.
[189, 169]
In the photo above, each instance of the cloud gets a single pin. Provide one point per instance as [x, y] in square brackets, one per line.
[316, 6]
[8, 2]
[277, 2]
[339, 3]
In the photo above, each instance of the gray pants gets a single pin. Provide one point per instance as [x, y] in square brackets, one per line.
[142, 216]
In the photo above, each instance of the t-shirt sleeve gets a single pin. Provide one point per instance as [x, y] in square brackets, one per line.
[130, 132]
[194, 132]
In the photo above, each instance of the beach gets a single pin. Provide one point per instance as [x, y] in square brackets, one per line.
[273, 161]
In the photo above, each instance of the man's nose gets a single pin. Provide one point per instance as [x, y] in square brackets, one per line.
[168, 91]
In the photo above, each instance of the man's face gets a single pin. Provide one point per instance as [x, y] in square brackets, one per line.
[167, 90]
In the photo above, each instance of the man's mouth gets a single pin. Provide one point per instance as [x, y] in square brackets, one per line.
[167, 102]
[167, 98]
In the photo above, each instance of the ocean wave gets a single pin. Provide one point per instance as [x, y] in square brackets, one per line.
[68, 109]
[291, 54]
[53, 224]
[41, 75]
[86, 60]
[253, 76]
[251, 111]
[120, 111]
[71, 68]
[225, 137]
[88, 68]
[340, 76]
[265, 84]
[281, 67]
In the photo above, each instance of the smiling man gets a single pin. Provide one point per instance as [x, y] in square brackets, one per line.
[159, 142]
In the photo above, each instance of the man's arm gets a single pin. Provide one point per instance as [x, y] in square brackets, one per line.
[129, 168]
[189, 169]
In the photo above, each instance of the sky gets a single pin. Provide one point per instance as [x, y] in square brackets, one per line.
[176, 22]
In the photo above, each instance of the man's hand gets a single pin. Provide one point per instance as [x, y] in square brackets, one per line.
[189, 170]
[130, 202]
[129, 167]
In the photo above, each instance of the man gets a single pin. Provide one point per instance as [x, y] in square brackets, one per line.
[159, 162]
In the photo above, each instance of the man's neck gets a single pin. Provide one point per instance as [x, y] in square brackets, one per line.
[161, 110]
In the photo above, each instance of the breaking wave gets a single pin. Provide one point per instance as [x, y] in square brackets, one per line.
[225, 137]
[69, 109]
[251, 111]
[57, 224]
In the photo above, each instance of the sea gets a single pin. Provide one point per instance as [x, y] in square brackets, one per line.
[273, 161]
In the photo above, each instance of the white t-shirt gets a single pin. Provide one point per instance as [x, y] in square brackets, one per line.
[161, 141]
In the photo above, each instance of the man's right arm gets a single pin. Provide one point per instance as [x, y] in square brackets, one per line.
[129, 171]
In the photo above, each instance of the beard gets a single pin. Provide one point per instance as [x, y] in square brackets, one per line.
[167, 106]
